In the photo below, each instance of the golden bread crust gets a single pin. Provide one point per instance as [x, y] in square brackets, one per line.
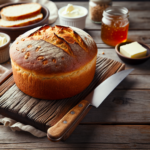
[58, 60]
[56, 86]
[53, 62]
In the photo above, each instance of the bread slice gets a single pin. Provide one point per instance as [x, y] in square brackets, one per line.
[21, 11]
[20, 23]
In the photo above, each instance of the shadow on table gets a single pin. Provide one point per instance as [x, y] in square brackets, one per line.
[110, 112]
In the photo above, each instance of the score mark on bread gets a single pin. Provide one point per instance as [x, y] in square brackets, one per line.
[59, 36]
[69, 35]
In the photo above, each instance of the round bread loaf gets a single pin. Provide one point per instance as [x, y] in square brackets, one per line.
[53, 62]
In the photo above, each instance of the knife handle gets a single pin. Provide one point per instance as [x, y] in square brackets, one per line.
[64, 127]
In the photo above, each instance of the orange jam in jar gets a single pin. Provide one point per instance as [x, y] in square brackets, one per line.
[115, 25]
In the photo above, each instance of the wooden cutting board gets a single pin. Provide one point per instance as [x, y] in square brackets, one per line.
[42, 114]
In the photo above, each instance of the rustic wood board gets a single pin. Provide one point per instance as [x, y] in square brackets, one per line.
[43, 114]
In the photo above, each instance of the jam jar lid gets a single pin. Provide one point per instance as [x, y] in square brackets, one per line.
[106, 1]
[116, 11]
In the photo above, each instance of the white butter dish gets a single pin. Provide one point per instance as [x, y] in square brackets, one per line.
[78, 21]
[4, 49]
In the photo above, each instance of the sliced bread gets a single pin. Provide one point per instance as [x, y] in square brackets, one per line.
[19, 23]
[20, 12]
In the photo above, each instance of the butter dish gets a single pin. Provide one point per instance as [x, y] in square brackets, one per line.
[4, 48]
[70, 20]
[133, 61]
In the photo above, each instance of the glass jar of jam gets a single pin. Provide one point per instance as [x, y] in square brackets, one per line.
[96, 8]
[115, 25]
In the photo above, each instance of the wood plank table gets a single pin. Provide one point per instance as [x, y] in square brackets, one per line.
[123, 119]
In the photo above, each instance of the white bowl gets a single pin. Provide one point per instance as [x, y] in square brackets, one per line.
[78, 22]
[4, 49]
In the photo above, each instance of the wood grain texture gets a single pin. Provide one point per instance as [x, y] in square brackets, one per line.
[43, 114]
[92, 136]
[138, 82]
[142, 36]
[122, 121]
[77, 146]
[5, 76]
[138, 18]
[6, 85]
[122, 107]
[137, 5]
[141, 69]
[64, 125]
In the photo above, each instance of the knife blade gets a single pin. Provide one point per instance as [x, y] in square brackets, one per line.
[99, 94]
[63, 128]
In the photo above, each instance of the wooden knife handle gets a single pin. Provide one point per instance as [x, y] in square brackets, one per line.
[68, 122]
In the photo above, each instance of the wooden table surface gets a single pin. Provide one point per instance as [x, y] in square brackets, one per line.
[123, 119]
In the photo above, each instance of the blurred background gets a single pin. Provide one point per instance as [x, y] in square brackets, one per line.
[4, 1]
[88, 0]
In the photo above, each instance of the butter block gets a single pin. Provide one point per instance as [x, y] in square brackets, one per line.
[69, 8]
[72, 11]
[133, 50]
[3, 40]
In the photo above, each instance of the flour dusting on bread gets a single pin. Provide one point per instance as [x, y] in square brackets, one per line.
[52, 62]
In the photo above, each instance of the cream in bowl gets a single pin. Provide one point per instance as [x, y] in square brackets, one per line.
[73, 15]
[3, 40]
[72, 11]
[4, 47]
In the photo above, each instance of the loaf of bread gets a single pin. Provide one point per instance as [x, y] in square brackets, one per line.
[23, 22]
[53, 62]
[20, 12]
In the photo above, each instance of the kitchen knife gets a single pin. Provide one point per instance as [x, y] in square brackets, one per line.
[63, 128]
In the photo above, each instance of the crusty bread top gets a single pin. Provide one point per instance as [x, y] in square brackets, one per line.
[53, 50]
[21, 11]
